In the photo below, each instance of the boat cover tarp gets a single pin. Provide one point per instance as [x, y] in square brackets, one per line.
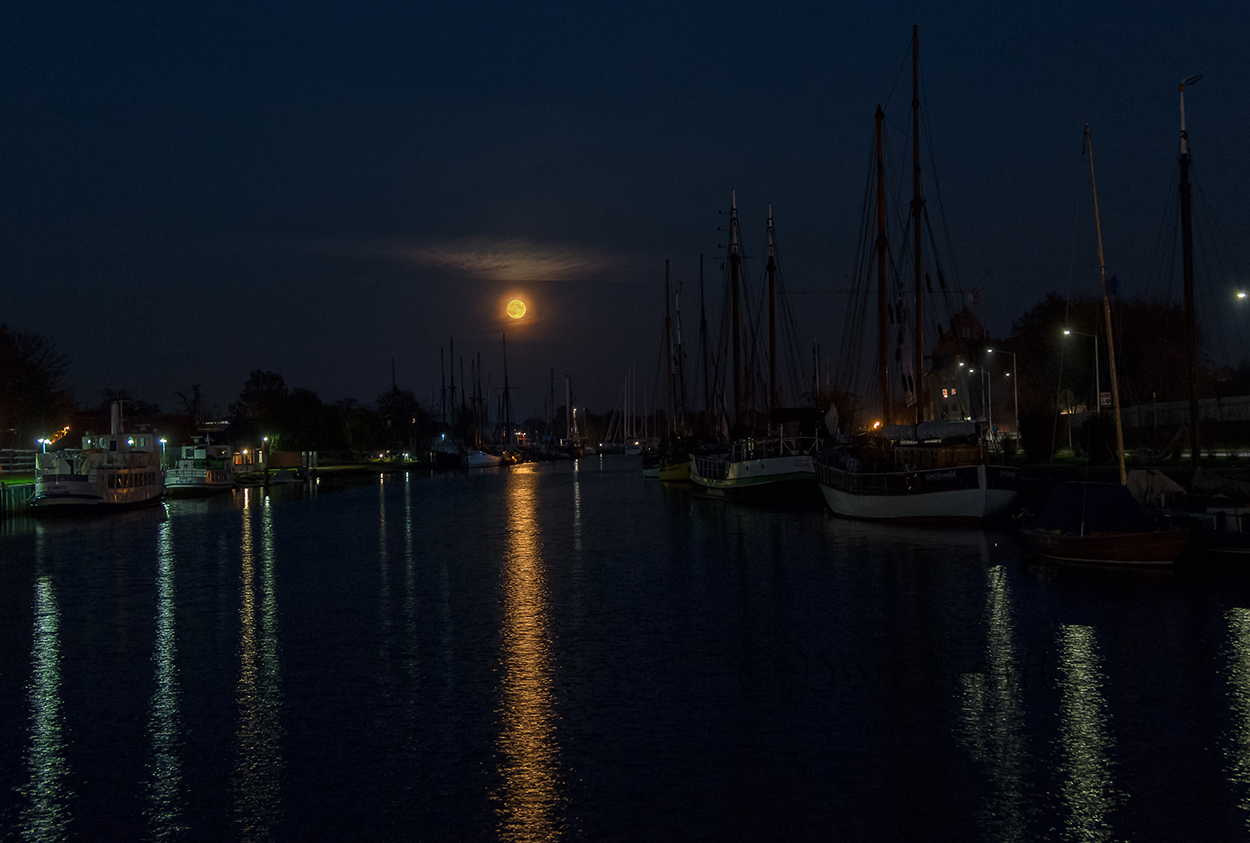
[1152, 487]
[930, 430]
[1105, 507]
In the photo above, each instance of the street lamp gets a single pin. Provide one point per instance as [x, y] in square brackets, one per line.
[1097, 387]
[264, 456]
[1015, 395]
[44, 443]
[163, 441]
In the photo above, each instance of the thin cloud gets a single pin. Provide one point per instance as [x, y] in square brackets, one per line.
[514, 260]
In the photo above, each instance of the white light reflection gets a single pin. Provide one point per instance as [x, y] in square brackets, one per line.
[577, 508]
[1238, 666]
[528, 752]
[164, 788]
[1088, 792]
[993, 715]
[257, 775]
[46, 813]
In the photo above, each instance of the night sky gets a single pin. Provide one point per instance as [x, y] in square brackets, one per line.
[317, 189]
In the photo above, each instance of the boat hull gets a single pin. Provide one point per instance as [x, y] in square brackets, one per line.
[481, 459]
[191, 482]
[967, 494]
[1151, 547]
[790, 477]
[64, 494]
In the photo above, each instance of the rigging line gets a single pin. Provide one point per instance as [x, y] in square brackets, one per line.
[901, 69]
[1078, 194]
[937, 186]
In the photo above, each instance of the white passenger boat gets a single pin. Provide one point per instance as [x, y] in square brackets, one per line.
[113, 470]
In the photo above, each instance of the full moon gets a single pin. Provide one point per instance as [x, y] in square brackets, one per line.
[516, 308]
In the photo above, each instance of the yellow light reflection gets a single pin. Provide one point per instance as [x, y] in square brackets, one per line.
[1238, 667]
[257, 773]
[46, 813]
[1088, 792]
[165, 786]
[528, 751]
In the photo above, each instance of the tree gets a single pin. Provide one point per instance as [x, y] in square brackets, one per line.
[262, 398]
[194, 405]
[405, 422]
[32, 400]
[1057, 372]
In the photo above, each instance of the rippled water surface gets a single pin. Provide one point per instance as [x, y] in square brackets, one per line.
[568, 652]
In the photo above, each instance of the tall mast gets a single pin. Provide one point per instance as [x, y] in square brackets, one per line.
[1187, 262]
[681, 366]
[707, 386]
[1106, 310]
[507, 396]
[734, 260]
[917, 210]
[772, 318]
[883, 351]
[668, 358]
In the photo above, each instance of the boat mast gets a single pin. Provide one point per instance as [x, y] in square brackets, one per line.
[707, 383]
[507, 397]
[1187, 263]
[883, 351]
[772, 318]
[917, 209]
[681, 367]
[734, 260]
[669, 426]
[1106, 311]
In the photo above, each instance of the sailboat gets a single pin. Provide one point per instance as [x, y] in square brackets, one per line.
[1102, 522]
[670, 462]
[926, 470]
[1219, 516]
[774, 464]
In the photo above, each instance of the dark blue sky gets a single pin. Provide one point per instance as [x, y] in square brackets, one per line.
[314, 189]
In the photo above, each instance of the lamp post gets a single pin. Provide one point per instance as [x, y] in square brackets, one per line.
[264, 456]
[1015, 393]
[1097, 387]
[163, 441]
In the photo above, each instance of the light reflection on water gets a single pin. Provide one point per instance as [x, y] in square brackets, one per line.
[46, 814]
[1088, 791]
[993, 715]
[258, 769]
[1237, 658]
[556, 651]
[528, 752]
[165, 787]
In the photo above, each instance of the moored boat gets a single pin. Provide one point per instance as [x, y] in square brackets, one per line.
[936, 472]
[201, 468]
[940, 467]
[476, 458]
[111, 471]
[1102, 523]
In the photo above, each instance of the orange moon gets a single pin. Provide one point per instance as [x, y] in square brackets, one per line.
[516, 308]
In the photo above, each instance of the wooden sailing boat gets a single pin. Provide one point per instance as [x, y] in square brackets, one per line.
[1219, 518]
[1101, 522]
[774, 465]
[936, 471]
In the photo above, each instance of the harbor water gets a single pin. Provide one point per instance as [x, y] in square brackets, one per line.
[566, 651]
